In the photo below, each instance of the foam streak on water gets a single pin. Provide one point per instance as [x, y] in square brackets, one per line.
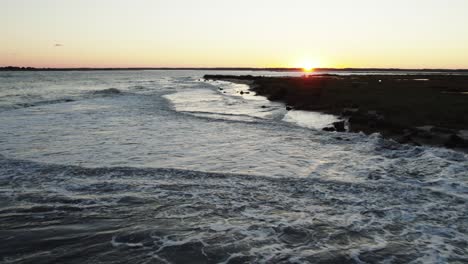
[161, 167]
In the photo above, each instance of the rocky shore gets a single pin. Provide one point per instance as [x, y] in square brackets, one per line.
[412, 109]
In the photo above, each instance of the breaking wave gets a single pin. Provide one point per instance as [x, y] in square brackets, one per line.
[125, 214]
[26, 101]
[109, 91]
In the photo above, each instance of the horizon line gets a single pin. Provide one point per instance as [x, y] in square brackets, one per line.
[27, 68]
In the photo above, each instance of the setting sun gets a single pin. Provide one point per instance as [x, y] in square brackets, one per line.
[307, 68]
[307, 65]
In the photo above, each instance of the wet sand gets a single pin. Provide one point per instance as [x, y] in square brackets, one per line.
[415, 109]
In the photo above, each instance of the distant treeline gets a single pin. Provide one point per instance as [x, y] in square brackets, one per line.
[14, 68]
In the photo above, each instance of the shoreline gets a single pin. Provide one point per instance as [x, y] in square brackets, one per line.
[410, 109]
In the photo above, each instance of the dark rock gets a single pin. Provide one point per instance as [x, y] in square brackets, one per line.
[349, 111]
[220, 88]
[358, 119]
[374, 115]
[247, 92]
[340, 126]
[370, 122]
[276, 94]
[288, 108]
[443, 130]
[454, 141]
[241, 92]
[329, 129]
[425, 134]
[407, 137]
[264, 106]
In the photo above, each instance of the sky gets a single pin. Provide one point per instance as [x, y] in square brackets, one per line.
[240, 33]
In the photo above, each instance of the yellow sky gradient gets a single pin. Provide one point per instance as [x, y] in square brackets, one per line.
[255, 33]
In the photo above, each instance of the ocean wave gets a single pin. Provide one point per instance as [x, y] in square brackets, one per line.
[174, 215]
[109, 91]
[46, 102]
[27, 101]
[32, 103]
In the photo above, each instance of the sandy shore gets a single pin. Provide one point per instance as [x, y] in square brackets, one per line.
[413, 109]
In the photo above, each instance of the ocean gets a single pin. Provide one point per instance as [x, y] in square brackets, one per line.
[166, 167]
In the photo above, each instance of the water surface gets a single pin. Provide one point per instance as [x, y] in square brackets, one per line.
[162, 166]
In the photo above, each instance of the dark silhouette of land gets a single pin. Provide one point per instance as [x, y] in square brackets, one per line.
[416, 109]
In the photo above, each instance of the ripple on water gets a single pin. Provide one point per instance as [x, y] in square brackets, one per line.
[178, 215]
[294, 195]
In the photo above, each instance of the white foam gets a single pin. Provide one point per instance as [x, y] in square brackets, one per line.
[225, 99]
[314, 120]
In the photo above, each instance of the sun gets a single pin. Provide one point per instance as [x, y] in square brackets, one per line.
[308, 65]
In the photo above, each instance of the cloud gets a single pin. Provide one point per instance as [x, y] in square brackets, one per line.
[58, 45]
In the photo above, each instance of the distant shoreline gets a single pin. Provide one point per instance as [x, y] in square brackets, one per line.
[14, 68]
[414, 109]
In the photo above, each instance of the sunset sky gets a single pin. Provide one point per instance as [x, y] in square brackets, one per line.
[241, 33]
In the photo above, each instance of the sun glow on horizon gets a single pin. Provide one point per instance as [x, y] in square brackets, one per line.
[308, 65]
[158, 33]
[307, 68]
